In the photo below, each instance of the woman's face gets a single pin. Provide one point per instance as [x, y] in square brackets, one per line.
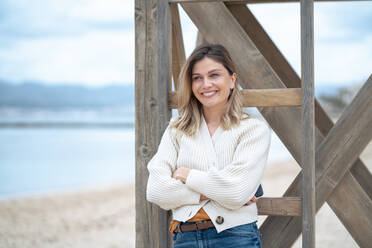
[211, 83]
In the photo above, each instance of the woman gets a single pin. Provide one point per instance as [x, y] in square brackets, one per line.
[211, 158]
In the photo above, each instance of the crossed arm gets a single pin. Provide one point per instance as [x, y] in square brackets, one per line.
[181, 174]
[231, 187]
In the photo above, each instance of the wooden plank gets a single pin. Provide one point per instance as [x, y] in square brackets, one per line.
[153, 41]
[280, 206]
[232, 2]
[251, 68]
[322, 120]
[262, 98]
[178, 49]
[308, 137]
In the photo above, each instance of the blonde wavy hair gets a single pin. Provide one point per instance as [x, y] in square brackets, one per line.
[189, 108]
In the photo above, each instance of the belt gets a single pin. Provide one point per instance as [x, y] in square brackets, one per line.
[200, 225]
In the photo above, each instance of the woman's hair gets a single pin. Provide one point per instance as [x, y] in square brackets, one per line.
[189, 107]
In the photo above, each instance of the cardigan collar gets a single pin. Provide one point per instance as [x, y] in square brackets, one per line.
[209, 142]
[216, 133]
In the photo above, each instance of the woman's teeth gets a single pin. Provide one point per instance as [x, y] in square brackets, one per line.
[209, 93]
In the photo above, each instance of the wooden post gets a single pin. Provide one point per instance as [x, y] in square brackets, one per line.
[308, 134]
[152, 77]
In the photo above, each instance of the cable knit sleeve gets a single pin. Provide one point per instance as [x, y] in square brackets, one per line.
[162, 189]
[236, 183]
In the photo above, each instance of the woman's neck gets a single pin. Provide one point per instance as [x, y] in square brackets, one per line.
[213, 116]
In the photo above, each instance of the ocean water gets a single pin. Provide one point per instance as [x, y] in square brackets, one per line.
[40, 160]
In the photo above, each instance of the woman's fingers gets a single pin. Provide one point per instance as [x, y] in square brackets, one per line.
[254, 199]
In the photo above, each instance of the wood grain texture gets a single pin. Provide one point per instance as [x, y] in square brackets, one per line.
[200, 39]
[333, 158]
[322, 120]
[153, 72]
[279, 206]
[308, 137]
[285, 121]
[261, 98]
[178, 49]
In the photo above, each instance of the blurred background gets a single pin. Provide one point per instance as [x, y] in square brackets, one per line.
[67, 113]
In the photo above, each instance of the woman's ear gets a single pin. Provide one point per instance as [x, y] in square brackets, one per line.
[233, 77]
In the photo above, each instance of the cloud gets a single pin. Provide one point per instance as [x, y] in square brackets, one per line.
[70, 41]
[39, 18]
[96, 58]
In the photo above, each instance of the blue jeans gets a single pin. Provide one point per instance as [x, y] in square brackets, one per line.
[246, 236]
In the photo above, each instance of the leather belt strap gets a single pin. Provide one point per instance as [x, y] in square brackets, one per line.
[201, 225]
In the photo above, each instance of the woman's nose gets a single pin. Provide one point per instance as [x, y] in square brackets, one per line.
[207, 82]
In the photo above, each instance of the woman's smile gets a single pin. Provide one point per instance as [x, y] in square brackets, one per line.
[209, 94]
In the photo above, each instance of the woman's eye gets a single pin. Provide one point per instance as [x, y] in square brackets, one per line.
[214, 75]
[196, 78]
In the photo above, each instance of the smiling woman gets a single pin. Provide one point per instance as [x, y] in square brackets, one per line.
[211, 158]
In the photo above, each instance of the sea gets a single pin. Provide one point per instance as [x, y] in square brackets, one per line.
[46, 151]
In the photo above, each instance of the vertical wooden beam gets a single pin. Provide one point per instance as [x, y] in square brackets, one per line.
[308, 137]
[153, 72]
[178, 49]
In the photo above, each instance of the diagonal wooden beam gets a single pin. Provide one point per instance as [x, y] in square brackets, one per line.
[200, 39]
[272, 54]
[178, 49]
[285, 121]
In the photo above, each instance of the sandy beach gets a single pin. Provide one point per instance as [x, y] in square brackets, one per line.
[105, 217]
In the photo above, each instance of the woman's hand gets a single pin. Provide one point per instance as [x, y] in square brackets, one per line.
[203, 197]
[181, 174]
[254, 199]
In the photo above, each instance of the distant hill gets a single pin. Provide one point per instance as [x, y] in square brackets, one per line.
[38, 95]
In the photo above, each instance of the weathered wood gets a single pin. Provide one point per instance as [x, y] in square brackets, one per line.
[252, 68]
[232, 2]
[334, 156]
[262, 98]
[153, 44]
[280, 206]
[323, 122]
[200, 39]
[308, 138]
[178, 49]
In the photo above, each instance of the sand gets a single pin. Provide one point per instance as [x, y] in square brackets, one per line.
[105, 217]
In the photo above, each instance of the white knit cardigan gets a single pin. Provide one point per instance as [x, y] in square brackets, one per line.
[227, 168]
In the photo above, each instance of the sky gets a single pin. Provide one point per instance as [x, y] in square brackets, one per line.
[91, 42]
